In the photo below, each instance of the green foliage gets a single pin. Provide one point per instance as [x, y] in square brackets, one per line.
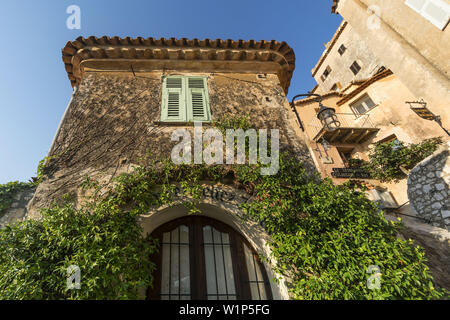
[233, 123]
[324, 237]
[9, 190]
[387, 159]
[102, 238]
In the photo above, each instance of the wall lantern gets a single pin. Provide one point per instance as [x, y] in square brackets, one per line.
[326, 115]
[328, 118]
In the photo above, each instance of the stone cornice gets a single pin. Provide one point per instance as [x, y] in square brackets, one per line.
[216, 55]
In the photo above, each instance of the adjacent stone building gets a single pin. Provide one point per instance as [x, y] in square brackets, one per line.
[346, 59]
[412, 38]
[375, 110]
[129, 96]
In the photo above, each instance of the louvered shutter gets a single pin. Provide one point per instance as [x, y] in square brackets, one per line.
[174, 103]
[197, 99]
[435, 11]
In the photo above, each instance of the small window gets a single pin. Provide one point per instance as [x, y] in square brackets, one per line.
[362, 105]
[435, 11]
[355, 67]
[335, 87]
[326, 73]
[185, 99]
[342, 49]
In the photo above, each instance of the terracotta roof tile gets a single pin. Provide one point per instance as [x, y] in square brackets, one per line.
[116, 48]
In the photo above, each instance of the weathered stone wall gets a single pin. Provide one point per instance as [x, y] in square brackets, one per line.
[18, 207]
[113, 124]
[428, 188]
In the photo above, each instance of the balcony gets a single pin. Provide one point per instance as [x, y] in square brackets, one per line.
[353, 129]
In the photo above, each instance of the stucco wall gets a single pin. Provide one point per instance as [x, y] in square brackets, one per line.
[414, 49]
[391, 115]
[356, 50]
[111, 125]
[429, 40]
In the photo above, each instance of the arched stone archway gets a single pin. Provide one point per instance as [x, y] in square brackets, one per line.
[229, 214]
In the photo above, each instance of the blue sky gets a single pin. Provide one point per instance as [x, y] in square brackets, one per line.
[34, 89]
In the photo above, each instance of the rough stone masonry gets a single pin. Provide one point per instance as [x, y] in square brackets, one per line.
[428, 189]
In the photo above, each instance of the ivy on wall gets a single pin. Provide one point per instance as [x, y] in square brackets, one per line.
[389, 161]
[324, 237]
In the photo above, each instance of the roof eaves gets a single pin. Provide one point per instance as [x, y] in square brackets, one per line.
[364, 85]
[116, 48]
[314, 99]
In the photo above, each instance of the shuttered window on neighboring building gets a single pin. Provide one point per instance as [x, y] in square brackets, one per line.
[355, 67]
[326, 73]
[435, 11]
[362, 105]
[185, 99]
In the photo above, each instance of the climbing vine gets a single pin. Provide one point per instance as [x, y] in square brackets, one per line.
[325, 238]
[389, 161]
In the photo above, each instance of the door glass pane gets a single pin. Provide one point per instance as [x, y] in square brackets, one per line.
[175, 273]
[219, 268]
[255, 276]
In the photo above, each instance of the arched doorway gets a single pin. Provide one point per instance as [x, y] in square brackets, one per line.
[201, 258]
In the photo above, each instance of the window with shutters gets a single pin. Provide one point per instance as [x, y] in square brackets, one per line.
[185, 99]
[342, 49]
[363, 105]
[203, 259]
[326, 73]
[435, 11]
[355, 67]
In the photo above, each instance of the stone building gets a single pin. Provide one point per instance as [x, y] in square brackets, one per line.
[399, 92]
[371, 111]
[129, 96]
[346, 59]
[412, 38]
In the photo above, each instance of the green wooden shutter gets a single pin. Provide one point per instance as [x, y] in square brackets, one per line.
[197, 99]
[173, 100]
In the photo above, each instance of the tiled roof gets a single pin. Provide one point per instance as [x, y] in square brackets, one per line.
[151, 49]
[330, 47]
[364, 85]
[334, 6]
[314, 99]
